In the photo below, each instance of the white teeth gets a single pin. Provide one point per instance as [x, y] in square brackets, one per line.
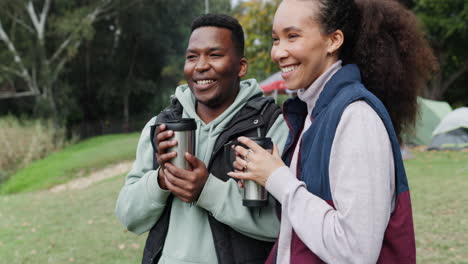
[289, 68]
[201, 82]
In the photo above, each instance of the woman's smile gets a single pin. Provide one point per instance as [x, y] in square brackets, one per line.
[288, 70]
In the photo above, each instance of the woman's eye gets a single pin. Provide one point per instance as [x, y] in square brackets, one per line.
[292, 36]
[275, 39]
[189, 57]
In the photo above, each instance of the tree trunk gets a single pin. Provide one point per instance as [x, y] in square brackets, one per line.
[127, 89]
[442, 82]
[126, 116]
[434, 88]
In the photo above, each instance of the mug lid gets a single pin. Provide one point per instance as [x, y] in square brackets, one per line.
[264, 142]
[182, 124]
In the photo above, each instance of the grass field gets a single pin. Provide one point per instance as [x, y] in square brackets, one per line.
[80, 227]
[69, 227]
[439, 193]
[78, 159]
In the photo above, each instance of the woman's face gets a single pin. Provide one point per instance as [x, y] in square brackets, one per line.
[299, 47]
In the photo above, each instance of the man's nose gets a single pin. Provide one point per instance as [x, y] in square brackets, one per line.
[202, 64]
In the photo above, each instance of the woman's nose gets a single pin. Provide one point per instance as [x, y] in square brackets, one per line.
[278, 53]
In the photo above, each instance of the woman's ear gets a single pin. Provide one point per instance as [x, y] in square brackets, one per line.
[336, 40]
[243, 68]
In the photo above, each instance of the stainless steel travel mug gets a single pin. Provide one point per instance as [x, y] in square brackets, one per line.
[256, 195]
[184, 133]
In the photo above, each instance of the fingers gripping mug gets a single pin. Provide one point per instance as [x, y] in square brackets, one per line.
[254, 194]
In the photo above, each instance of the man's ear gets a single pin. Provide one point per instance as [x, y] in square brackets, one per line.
[335, 42]
[243, 67]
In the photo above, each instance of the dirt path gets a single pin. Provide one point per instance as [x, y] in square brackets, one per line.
[94, 177]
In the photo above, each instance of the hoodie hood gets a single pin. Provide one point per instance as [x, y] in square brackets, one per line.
[208, 133]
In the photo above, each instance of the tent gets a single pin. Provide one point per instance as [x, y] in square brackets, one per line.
[430, 114]
[273, 83]
[452, 131]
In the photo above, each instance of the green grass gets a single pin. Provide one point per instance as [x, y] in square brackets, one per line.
[79, 226]
[439, 194]
[69, 227]
[66, 164]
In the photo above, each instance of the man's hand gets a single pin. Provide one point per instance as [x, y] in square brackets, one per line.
[186, 184]
[162, 179]
[162, 145]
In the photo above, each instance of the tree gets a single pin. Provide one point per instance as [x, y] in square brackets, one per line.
[408, 3]
[446, 23]
[127, 72]
[39, 38]
[125, 63]
[256, 17]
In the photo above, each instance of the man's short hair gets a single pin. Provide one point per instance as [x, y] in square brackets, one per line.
[223, 21]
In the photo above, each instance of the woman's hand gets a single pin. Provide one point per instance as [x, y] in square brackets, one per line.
[255, 163]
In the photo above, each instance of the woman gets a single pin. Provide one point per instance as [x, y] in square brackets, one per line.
[357, 67]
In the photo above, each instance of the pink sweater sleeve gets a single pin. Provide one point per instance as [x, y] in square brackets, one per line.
[362, 185]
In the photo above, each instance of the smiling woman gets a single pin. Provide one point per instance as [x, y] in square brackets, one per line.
[357, 66]
[299, 48]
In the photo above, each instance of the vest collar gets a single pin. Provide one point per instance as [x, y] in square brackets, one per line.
[347, 75]
[295, 111]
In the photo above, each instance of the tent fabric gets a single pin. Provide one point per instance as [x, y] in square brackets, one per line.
[277, 85]
[272, 78]
[452, 131]
[430, 114]
[454, 139]
[454, 120]
[272, 83]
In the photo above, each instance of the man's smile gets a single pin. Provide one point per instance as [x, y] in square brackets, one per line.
[204, 84]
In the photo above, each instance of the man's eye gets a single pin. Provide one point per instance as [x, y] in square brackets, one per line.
[292, 36]
[216, 55]
[275, 39]
[189, 57]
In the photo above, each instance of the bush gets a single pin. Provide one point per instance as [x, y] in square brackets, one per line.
[23, 141]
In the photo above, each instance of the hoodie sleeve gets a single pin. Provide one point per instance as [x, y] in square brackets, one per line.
[141, 201]
[224, 200]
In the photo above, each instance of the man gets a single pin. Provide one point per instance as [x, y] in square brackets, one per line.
[196, 216]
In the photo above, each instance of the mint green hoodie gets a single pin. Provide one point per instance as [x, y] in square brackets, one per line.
[189, 239]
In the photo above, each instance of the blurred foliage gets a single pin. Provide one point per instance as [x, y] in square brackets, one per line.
[256, 17]
[23, 141]
[135, 61]
[446, 24]
[123, 66]
[39, 38]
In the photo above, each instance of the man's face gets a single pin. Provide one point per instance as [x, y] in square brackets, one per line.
[213, 68]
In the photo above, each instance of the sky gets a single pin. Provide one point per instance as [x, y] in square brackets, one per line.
[235, 2]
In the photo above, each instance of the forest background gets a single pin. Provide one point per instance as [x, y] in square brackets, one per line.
[85, 68]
